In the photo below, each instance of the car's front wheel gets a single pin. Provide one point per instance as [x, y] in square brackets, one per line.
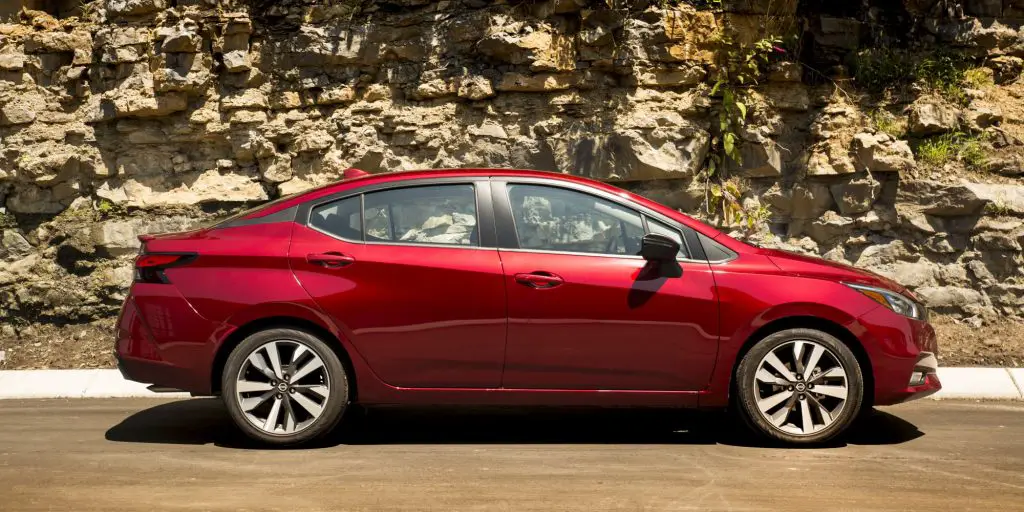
[799, 386]
[284, 386]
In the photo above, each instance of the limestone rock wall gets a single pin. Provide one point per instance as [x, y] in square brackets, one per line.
[120, 117]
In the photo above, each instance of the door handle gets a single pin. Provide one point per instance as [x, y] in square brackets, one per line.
[330, 259]
[540, 280]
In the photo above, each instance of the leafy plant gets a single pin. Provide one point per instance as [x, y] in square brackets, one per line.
[741, 68]
[105, 208]
[726, 195]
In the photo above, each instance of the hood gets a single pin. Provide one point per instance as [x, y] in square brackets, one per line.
[810, 266]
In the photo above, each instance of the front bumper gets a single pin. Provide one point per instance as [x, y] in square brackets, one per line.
[903, 356]
[924, 380]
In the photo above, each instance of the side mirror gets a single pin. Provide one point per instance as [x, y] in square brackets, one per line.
[658, 248]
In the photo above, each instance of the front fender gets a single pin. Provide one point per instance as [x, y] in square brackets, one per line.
[749, 302]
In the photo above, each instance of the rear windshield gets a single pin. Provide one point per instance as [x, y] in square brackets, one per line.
[277, 201]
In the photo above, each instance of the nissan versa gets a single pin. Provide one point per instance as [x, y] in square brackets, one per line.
[516, 288]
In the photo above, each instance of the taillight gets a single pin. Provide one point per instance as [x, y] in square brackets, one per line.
[149, 268]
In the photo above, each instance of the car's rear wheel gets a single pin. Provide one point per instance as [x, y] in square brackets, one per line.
[799, 386]
[284, 386]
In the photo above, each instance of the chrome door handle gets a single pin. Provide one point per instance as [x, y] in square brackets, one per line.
[330, 259]
[540, 280]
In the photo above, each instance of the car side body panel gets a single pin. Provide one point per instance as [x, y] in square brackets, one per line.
[606, 327]
[421, 316]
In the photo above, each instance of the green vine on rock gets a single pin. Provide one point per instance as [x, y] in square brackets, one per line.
[740, 69]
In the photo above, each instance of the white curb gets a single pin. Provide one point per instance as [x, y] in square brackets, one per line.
[72, 384]
[1017, 374]
[980, 383]
[962, 383]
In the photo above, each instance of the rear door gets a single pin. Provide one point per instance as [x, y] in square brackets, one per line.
[412, 276]
[585, 312]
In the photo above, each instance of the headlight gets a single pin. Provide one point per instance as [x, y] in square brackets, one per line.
[892, 300]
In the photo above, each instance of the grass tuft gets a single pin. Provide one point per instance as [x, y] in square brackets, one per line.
[885, 122]
[884, 70]
[966, 148]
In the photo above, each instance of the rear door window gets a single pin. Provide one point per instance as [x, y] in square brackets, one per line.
[339, 218]
[435, 214]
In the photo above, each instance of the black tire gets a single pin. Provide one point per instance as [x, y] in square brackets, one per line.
[333, 407]
[745, 399]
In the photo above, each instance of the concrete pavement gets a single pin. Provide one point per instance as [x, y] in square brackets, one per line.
[149, 454]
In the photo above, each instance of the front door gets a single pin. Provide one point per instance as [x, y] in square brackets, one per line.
[585, 312]
[405, 275]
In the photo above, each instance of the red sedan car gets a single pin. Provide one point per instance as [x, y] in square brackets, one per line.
[510, 287]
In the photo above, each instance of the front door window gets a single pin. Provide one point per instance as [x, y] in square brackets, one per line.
[555, 219]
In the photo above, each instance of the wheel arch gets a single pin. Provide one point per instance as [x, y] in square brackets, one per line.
[233, 339]
[820, 324]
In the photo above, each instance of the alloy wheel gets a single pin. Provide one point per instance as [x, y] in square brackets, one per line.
[801, 387]
[282, 387]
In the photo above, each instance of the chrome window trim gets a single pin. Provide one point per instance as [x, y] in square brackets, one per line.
[603, 194]
[400, 244]
[638, 209]
[597, 254]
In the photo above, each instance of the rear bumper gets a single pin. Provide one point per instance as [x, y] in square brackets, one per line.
[151, 372]
[903, 355]
[166, 362]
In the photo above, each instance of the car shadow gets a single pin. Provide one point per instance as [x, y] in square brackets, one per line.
[205, 421]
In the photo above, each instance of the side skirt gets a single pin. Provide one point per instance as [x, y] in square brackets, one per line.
[528, 397]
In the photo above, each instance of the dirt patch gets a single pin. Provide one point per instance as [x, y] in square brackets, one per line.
[69, 347]
[995, 344]
[1007, 99]
[91, 345]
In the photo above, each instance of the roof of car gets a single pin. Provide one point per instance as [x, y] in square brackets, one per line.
[430, 173]
[361, 177]
[358, 177]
